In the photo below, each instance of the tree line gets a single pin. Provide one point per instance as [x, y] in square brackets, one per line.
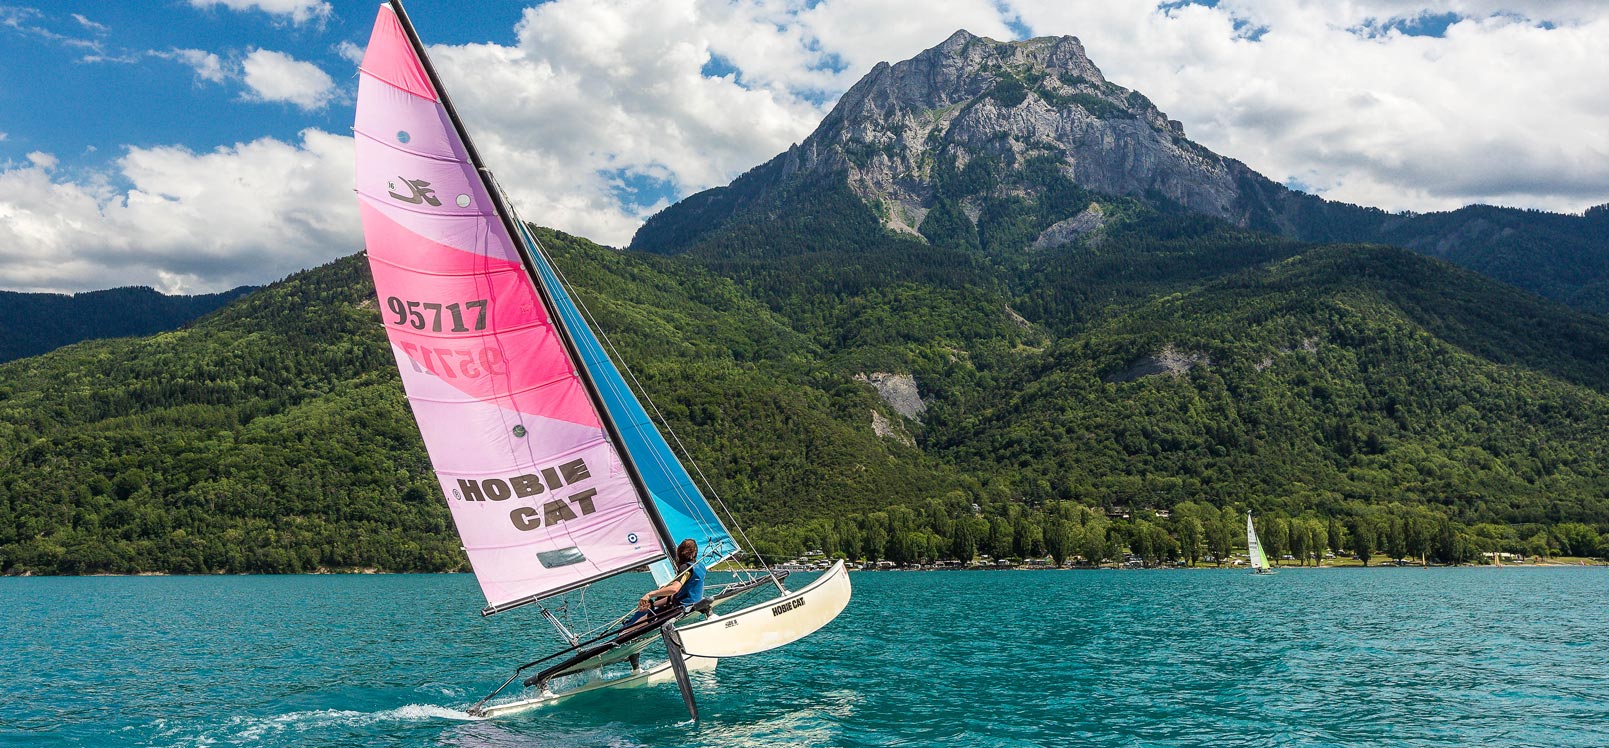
[1191, 533]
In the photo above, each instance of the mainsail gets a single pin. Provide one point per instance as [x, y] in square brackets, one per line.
[544, 497]
[1259, 560]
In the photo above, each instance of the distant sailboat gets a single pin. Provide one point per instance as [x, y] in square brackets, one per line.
[555, 474]
[1254, 547]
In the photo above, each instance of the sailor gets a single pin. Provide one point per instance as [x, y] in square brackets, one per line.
[683, 590]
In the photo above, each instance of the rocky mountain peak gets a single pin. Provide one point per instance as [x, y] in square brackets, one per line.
[907, 133]
[965, 120]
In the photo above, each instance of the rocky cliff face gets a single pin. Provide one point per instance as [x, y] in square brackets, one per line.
[907, 129]
[975, 119]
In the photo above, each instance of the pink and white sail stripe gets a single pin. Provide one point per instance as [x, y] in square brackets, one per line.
[503, 412]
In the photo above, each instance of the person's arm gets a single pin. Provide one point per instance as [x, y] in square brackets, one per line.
[669, 590]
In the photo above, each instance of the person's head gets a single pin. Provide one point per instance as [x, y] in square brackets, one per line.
[687, 552]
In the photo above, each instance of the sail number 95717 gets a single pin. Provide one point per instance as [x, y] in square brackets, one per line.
[422, 314]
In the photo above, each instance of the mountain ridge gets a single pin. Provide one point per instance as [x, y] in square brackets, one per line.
[38, 322]
[972, 124]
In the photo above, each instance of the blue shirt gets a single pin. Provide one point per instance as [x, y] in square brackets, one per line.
[692, 589]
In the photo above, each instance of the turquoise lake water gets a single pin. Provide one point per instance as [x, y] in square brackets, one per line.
[1332, 657]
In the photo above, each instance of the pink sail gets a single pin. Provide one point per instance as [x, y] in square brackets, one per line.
[537, 488]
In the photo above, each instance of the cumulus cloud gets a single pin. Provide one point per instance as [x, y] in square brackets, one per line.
[297, 11]
[276, 76]
[207, 65]
[1508, 105]
[191, 222]
[350, 52]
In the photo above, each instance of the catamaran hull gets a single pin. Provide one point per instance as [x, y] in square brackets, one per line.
[773, 623]
[661, 673]
[754, 629]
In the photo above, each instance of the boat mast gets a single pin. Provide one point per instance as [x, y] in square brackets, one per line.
[506, 214]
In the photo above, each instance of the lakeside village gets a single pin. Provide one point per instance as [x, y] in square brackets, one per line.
[817, 561]
[1120, 542]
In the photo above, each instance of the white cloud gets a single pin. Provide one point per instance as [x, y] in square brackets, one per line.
[1336, 97]
[276, 76]
[99, 28]
[349, 52]
[42, 160]
[298, 11]
[30, 21]
[192, 222]
[207, 65]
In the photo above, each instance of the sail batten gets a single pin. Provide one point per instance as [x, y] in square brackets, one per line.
[531, 465]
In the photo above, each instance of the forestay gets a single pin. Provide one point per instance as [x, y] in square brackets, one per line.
[537, 487]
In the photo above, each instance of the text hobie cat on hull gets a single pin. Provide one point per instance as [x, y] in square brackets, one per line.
[555, 475]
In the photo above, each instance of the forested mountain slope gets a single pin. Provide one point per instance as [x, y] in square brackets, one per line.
[32, 323]
[953, 321]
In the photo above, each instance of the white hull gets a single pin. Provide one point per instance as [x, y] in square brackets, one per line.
[660, 673]
[757, 628]
[773, 623]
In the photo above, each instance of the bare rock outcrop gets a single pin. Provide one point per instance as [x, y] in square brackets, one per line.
[1169, 361]
[899, 391]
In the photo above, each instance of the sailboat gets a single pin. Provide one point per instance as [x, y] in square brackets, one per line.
[1254, 547]
[555, 474]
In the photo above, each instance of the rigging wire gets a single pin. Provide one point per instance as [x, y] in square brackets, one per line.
[658, 415]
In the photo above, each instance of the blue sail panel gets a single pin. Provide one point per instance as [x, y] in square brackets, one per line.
[687, 514]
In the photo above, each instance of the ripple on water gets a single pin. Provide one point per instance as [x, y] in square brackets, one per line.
[1403, 657]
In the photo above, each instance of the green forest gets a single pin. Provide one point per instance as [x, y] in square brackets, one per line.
[1134, 393]
[40, 322]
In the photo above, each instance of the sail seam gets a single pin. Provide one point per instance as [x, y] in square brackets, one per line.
[365, 71]
[509, 394]
[435, 274]
[421, 154]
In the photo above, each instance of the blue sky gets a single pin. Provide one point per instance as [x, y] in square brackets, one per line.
[194, 145]
[99, 65]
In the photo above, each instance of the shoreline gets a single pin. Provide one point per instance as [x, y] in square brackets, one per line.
[369, 571]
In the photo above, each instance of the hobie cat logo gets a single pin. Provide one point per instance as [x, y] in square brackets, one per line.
[422, 193]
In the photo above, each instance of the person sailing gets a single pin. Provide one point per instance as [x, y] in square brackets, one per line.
[684, 590]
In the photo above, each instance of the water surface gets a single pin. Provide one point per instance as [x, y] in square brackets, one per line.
[1348, 657]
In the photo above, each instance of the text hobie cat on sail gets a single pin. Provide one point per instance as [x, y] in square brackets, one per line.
[555, 474]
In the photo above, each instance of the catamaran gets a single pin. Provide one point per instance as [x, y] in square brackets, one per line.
[1254, 547]
[554, 472]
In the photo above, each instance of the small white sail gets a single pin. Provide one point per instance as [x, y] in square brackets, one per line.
[1259, 560]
